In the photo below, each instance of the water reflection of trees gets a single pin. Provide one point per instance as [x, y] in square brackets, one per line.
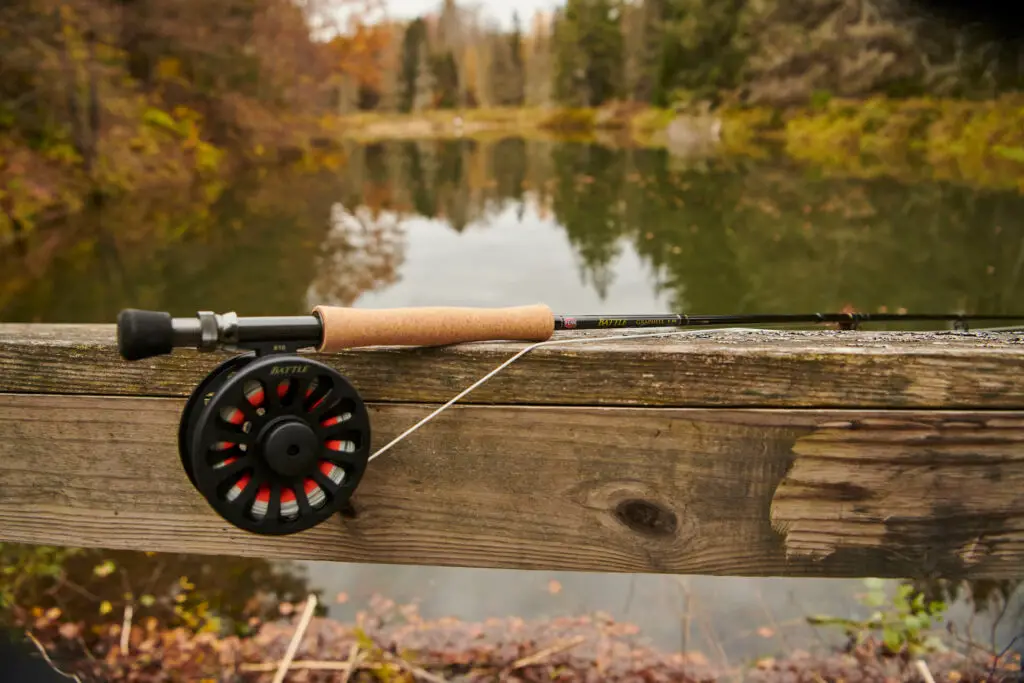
[249, 250]
[722, 235]
[462, 182]
[360, 253]
[718, 236]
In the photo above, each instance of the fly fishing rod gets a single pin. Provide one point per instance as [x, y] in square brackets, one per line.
[277, 442]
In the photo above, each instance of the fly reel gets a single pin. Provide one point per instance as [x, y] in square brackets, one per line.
[276, 444]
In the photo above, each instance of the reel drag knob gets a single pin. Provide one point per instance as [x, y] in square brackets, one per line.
[280, 445]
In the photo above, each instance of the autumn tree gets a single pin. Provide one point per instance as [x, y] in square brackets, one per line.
[99, 97]
[537, 61]
[361, 56]
[506, 67]
[390, 65]
[469, 83]
[483, 59]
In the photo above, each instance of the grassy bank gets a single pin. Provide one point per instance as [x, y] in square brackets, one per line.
[978, 143]
[370, 127]
[529, 122]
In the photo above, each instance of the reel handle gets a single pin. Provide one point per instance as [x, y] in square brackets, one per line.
[431, 325]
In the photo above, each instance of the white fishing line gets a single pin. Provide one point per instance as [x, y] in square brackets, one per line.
[551, 342]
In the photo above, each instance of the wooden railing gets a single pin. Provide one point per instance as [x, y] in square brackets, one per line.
[787, 453]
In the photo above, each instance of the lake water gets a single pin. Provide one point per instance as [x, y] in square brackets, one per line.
[583, 228]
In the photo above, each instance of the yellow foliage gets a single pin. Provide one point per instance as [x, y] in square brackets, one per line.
[570, 120]
[168, 69]
[972, 142]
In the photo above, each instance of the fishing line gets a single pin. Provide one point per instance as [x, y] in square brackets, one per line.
[551, 342]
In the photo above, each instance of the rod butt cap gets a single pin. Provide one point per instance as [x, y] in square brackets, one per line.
[142, 334]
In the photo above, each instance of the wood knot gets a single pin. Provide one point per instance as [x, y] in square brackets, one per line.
[646, 517]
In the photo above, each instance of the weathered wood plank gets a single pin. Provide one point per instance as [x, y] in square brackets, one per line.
[773, 369]
[723, 491]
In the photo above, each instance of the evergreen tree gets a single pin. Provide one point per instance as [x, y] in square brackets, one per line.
[423, 95]
[568, 86]
[415, 36]
[516, 72]
[589, 53]
[446, 80]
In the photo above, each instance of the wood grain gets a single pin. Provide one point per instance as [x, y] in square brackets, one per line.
[922, 483]
[722, 491]
[770, 369]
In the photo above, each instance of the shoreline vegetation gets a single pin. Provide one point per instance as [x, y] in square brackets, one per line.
[979, 144]
[392, 643]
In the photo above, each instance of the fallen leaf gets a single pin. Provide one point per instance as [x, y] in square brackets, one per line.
[554, 587]
[696, 658]
[765, 632]
[341, 597]
[104, 569]
[69, 630]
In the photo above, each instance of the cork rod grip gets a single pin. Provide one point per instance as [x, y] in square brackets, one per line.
[431, 325]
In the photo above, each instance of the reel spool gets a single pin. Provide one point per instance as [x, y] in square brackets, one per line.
[275, 444]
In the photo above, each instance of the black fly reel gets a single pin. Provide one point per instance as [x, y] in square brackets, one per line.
[276, 444]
